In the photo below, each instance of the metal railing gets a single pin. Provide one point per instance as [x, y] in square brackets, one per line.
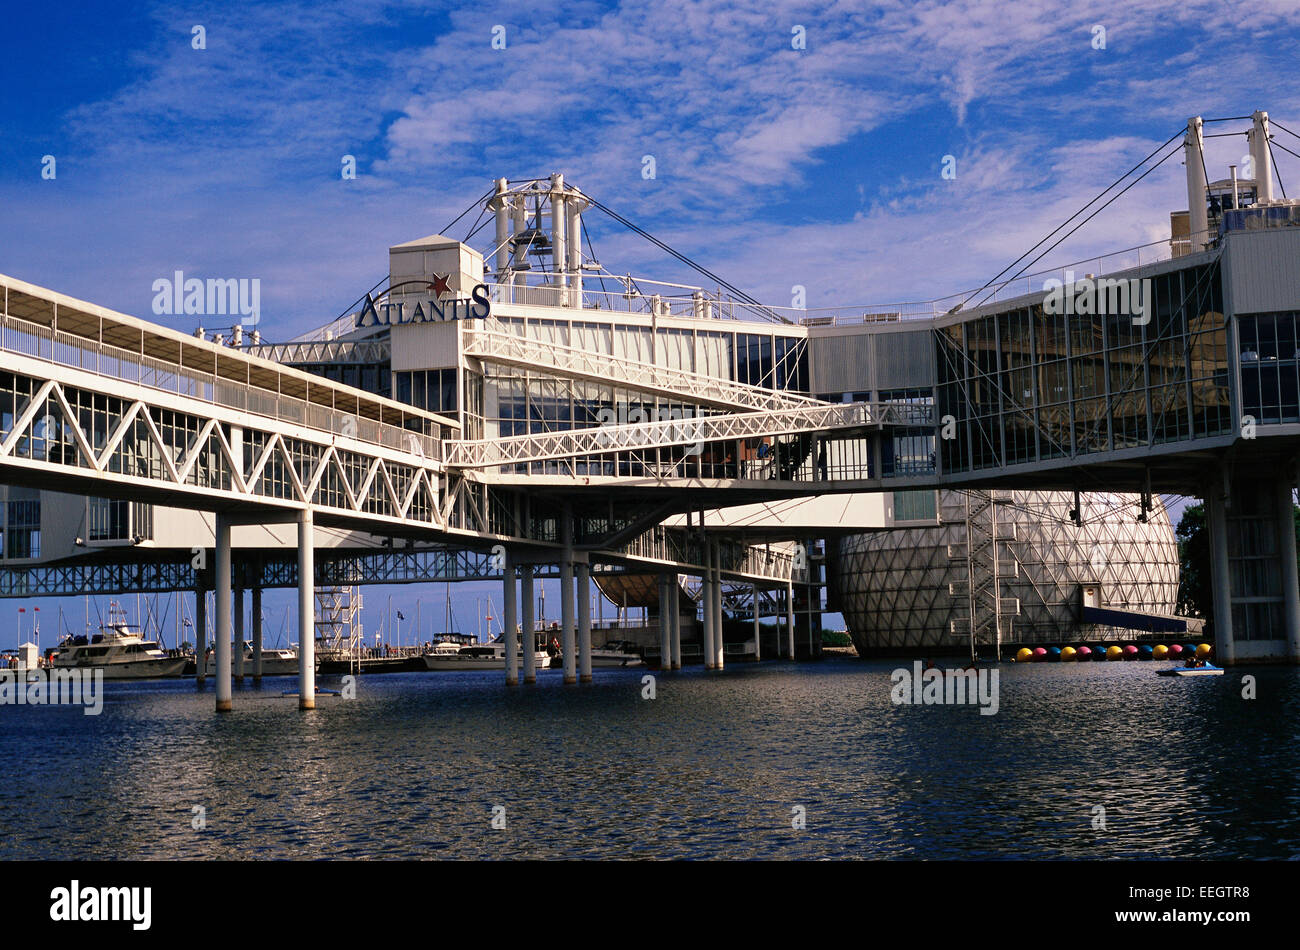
[668, 433]
[1110, 263]
[697, 303]
[493, 341]
[682, 548]
[327, 351]
[54, 346]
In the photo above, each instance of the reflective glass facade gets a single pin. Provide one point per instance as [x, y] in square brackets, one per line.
[1026, 385]
[23, 528]
[1269, 356]
[431, 389]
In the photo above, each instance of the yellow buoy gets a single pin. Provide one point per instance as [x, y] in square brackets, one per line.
[1067, 653]
[1024, 655]
[1159, 651]
[1113, 653]
[1203, 650]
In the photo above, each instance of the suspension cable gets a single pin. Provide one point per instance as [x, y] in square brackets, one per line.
[1096, 212]
[1098, 197]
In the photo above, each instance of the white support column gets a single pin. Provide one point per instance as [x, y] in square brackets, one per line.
[237, 654]
[529, 624]
[789, 618]
[256, 620]
[676, 618]
[566, 599]
[559, 224]
[501, 205]
[1286, 549]
[306, 611]
[1194, 158]
[511, 621]
[584, 623]
[200, 634]
[758, 633]
[1216, 516]
[519, 220]
[719, 642]
[221, 633]
[706, 606]
[665, 626]
[1261, 156]
[576, 206]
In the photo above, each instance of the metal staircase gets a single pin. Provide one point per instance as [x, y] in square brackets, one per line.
[988, 616]
[493, 342]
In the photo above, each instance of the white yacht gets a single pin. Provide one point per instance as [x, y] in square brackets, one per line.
[275, 662]
[486, 656]
[120, 650]
[615, 653]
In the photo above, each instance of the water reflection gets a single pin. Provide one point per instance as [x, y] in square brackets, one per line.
[711, 768]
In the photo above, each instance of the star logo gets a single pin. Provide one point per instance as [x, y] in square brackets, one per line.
[439, 285]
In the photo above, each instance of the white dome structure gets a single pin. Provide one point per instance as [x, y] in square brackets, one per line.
[1009, 561]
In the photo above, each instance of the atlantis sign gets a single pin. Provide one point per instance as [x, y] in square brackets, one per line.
[431, 309]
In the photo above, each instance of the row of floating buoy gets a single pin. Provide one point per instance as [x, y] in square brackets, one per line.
[1145, 651]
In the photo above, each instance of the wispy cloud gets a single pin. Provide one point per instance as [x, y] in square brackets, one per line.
[774, 165]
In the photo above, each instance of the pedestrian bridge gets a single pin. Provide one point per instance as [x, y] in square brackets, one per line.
[1202, 399]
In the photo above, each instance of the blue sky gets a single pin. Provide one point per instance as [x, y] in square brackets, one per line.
[775, 167]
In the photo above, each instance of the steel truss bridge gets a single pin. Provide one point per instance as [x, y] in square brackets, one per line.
[97, 403]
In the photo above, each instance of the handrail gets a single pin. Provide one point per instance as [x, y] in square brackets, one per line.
[495, 341]
[102, 359]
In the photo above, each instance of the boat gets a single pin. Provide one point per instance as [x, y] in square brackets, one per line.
[612, 655]
[615, 653]
[447, 656]
[1206, 670]
[119, 650]
[275, 662]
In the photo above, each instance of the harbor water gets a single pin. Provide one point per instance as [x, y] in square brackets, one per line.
[418, 765]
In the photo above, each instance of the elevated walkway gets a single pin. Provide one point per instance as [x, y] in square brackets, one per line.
[492, 342]
[663, 434]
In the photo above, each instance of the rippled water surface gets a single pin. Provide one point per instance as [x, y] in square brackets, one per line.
[712, 767]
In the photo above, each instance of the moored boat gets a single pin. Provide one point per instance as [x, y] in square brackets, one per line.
[615, 654]
[275, 662]
[488, 656]
[119, 650]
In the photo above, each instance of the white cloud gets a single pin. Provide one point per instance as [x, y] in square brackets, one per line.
[229, 159]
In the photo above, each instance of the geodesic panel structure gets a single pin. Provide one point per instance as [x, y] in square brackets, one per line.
[1011, 565]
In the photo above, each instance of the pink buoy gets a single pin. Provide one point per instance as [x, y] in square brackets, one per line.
[1040, 653]
[1130, 652]
[1175, 649]
[1085, 653]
